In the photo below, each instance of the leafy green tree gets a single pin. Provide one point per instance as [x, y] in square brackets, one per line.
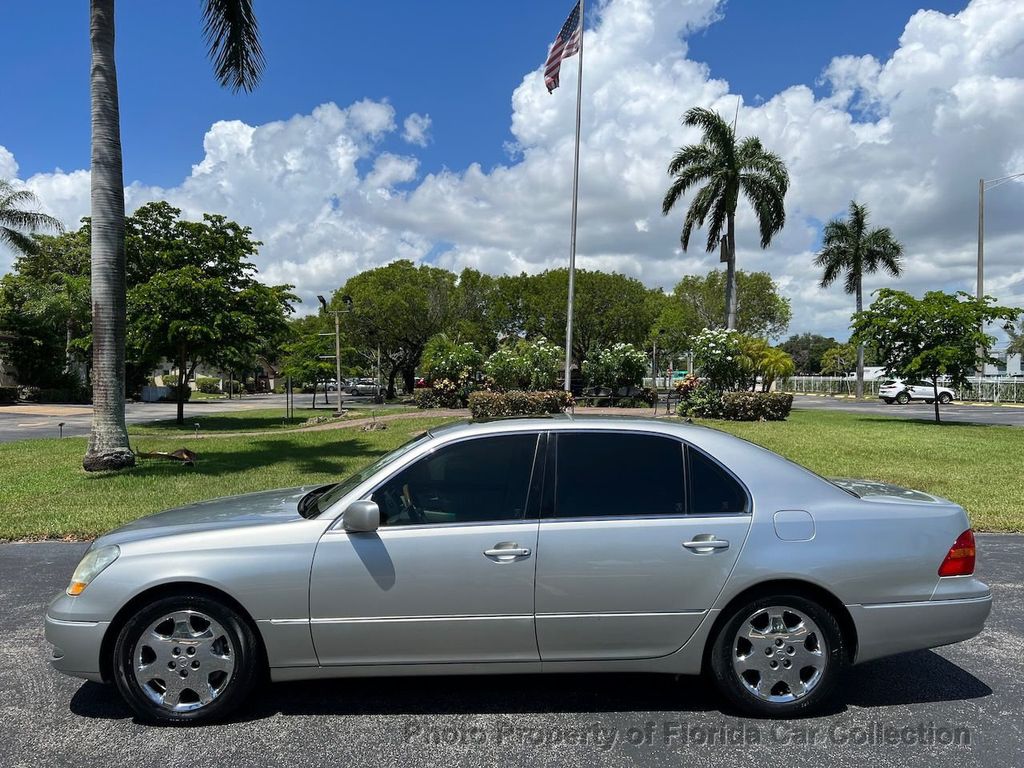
[839, 360]
[44, 306]
[302, 354]
[760, 360]
[232, 36]
[194, 297]
[16, 223]
[807, 351]
[609, 308]
[726, 169]
[397, 308]
[939, 335]
[852, 248]
[698, 302]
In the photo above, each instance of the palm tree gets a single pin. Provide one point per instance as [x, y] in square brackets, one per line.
[15, 221]
[232, 35]
[848, 246]
[726, 169]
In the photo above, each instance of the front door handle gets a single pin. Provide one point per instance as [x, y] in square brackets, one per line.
[706, 545]
[508, 553]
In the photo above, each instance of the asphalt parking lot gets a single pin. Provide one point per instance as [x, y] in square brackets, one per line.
[18, 422]
[985, 413]
[962, 705]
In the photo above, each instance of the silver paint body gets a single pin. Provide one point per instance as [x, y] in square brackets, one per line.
[599, 594]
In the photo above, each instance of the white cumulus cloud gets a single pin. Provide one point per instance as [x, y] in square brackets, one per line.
[909, 136]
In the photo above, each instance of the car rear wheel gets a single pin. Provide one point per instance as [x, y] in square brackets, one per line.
[778, 656]
[184, 660]
[945, 398]
[903, 398]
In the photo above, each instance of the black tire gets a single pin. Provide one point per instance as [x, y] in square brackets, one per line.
[903, 398]
[728, 681]
[245, 652]
[945, 398]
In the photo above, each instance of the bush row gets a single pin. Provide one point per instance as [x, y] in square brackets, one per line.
[8, 394]
[740, 406]
[490, 405]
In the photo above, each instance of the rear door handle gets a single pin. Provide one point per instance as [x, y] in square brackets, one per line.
[508, 552]
[706, 545]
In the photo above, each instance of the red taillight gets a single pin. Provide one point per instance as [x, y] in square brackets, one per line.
[960, 558]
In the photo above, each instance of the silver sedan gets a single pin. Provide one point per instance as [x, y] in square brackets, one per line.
[523, 546]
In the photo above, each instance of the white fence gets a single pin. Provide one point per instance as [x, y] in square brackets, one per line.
[990, 389]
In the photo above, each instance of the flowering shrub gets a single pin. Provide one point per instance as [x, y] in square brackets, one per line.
[717, 355]
[444, 394]
[489, 405]
[621, 365]
[526, 365]
[446, 359]
[706, 403]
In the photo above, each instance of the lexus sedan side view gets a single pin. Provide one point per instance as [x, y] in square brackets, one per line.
[519, 546]
[895, 391]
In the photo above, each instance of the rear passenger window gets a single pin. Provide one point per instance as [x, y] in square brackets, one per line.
[713, 491]
[608, 474]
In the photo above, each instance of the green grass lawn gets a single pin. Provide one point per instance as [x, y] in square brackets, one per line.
[45, 493]
[256, 420]
[977, 466]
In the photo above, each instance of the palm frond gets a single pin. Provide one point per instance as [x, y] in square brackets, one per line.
[882, 251]
[717, 133]
[685, 179]
[232, 35]
[698, 211]
[767, 200]
[691, 154]
[18, 241]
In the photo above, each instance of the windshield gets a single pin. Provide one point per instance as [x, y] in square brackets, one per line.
[335, 492]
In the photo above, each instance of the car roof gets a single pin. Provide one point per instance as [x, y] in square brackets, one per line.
[568, 421]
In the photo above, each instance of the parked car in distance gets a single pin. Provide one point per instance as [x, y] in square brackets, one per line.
[559, 544]
[362, 387]
[896, 391]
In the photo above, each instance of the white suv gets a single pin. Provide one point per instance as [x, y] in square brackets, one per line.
[896, 391]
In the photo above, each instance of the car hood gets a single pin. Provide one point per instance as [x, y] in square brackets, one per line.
[875, 490]
[261, 508]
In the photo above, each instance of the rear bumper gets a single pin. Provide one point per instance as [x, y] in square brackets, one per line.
[889, 628]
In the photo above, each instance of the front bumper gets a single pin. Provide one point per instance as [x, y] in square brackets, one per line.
[76, 643]
[888, 628]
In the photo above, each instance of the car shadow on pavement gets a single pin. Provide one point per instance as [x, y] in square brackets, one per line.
[913, 678]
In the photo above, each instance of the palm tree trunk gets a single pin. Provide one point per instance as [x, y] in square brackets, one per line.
[860, 347]
[108, 441]
[730, 276]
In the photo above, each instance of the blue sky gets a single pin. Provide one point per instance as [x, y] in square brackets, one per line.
[447, 58]
[898, 104]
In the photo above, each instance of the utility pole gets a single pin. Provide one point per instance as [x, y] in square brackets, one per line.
[981, 239]
[347, 301]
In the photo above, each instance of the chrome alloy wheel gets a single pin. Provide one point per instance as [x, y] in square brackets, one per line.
[779, 654]
[183, 661]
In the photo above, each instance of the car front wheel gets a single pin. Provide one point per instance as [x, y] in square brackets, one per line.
[945, 398]
[184, 660]
[778, 656]
[903, 398]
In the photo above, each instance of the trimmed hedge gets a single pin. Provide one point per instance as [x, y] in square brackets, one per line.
[208, 385]
[740, 406]
[444, 394]
[491, 405]
[8, 394]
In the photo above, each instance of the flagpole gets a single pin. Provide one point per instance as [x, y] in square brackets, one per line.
[575, 198]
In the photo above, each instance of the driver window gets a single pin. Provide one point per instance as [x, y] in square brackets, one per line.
[474, 481]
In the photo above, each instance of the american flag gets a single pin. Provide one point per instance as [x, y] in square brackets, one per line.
[566, 44]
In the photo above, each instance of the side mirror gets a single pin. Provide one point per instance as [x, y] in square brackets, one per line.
[361, 517]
